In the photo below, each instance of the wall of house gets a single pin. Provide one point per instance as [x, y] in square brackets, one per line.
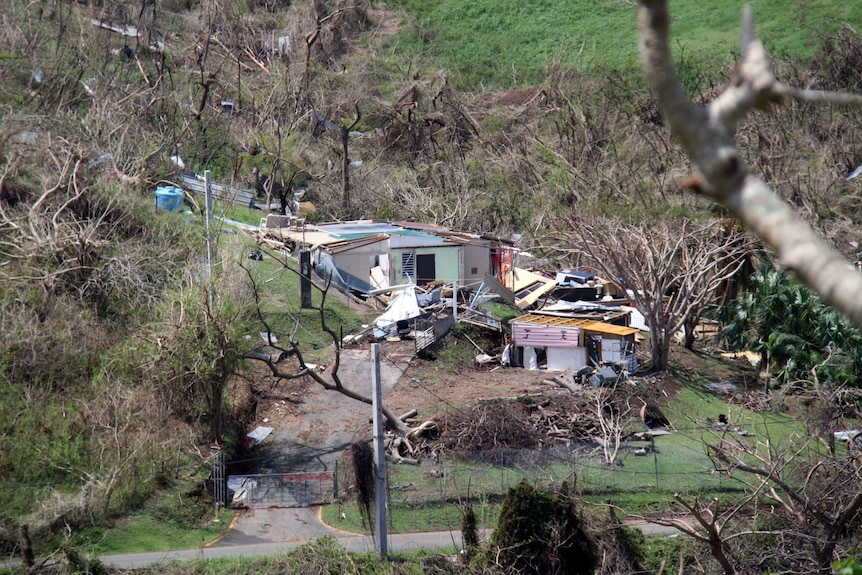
[359, 261]
[537, 335]
[477, 262]
[447, 262]
[563, 358]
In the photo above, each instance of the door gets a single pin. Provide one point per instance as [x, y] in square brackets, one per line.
[594, 350]
[426, 269]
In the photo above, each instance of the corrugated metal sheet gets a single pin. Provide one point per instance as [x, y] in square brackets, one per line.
[608, 328]
[547, 320]
[349, 245]
[536, 335]
[546, 331]
[584, 324]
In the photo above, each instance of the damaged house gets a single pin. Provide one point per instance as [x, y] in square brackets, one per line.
[574, 337]
[366, 255]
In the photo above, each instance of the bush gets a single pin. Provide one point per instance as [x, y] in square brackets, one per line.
[541, 533]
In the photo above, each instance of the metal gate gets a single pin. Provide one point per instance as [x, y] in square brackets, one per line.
[301, 489]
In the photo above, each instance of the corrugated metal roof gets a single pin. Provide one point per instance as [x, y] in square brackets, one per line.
[348, 245]
[548, 320]
[584, 324]
[455, 235]
[609, 328]
[358, 229]
[309, 236]
[413, 239]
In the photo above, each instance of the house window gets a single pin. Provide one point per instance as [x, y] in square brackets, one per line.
[408, 265]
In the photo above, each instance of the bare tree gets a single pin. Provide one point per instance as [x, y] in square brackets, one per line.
[707, 135]
[669, 270]
[708, 527]
[610, 416]
[817, 503]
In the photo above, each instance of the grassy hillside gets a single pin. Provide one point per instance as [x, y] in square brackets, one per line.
[114, 346]
[491, 43]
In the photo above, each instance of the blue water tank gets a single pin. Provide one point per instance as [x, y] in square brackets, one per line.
[169, 198]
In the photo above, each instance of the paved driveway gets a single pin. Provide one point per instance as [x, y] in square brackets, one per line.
[330, 422]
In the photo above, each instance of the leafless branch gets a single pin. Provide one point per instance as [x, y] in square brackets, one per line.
[707, 135]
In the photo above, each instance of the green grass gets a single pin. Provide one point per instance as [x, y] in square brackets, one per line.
[278, 286]
[492, 43]
[239, 213]
[323, 556]
[426, 497]
[141, 533]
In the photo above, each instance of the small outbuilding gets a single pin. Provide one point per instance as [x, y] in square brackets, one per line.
[566, 343]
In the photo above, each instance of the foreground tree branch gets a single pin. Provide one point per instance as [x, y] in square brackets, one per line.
[821, 506]
[707, 132]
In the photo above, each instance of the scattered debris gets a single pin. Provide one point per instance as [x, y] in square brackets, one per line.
[849, 435]
[751, 357]
[258, 434]
[268, 337]
[722, 387]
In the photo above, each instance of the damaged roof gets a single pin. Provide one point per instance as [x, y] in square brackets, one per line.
[584, 324]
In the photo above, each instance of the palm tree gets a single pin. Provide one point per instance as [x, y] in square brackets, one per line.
[792, 329]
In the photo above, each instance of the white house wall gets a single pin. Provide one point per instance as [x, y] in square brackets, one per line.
[477, 262]
[359, 261]
[563, 358]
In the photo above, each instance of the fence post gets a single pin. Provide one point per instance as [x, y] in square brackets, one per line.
[219, 490]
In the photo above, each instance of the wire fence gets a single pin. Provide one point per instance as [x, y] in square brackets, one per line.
[488, 475]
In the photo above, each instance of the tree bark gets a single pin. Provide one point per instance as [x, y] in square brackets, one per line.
[707, 135]
[27, 559]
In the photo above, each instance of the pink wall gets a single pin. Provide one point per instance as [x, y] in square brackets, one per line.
[535, 335]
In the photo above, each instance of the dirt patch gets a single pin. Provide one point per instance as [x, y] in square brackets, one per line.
[386, 22]
[266, 400]
[429, 387]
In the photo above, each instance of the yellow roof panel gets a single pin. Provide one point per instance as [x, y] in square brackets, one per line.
[584, 324]
[609, 328]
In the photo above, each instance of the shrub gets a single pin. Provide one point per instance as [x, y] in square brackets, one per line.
[542, 533]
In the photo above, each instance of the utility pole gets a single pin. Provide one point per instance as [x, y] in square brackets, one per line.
[305, 278]
[379, 456]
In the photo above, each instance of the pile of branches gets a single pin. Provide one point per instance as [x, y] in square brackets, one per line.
[520, 423]
[756, 401]
[410, 447]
